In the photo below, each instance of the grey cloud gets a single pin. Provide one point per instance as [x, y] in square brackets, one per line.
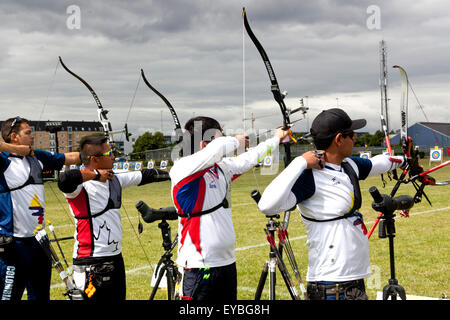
[192, 52]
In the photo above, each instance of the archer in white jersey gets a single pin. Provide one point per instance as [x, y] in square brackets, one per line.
[325, 187]
[22, 209]
[201, 187]
[95, 198]
[95, 205]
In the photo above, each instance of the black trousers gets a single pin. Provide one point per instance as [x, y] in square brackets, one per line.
[32, 270]
[213, 284]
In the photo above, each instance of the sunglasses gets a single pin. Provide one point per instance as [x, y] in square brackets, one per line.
[17, 120]
[104, 154]
[350, 134]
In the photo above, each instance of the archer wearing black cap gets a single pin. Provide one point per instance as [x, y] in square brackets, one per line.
[331, 122]
[324, 184]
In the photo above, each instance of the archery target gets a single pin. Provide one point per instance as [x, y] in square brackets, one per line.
[150, 164]
[365, 155]
[435, 154]
[163, 164]
[138, 166]
[268, 161]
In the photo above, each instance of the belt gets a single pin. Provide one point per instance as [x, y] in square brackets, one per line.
[336, 288]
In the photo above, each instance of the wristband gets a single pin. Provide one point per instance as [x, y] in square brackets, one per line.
[98, 174]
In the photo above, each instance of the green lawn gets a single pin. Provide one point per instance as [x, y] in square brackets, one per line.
[422, 243]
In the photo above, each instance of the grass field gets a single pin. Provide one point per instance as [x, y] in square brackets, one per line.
[422, 246]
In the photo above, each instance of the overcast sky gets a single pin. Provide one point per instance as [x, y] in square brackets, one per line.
[194, 52]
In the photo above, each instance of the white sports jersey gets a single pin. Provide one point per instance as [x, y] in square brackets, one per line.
[200, 182]
[98, 231]
[338, 250]
[22, 197]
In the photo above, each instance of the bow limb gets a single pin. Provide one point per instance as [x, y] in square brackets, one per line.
[169, 105]
[102, 115]
[405, 141]
[404, 111]
[101, 112]
[278, 96]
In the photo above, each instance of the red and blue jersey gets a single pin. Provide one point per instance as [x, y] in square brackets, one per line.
[202, 183]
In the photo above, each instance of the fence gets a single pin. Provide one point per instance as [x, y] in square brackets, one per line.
[169, 154]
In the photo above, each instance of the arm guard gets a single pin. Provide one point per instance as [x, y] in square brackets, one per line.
[153, 175]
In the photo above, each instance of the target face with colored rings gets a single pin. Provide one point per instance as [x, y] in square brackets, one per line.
[435, 154]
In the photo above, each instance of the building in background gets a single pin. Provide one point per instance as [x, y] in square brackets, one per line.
[67, 134]
[428, 135]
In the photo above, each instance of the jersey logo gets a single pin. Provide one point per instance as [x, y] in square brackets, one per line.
[38, 210]
[109, 241]
[360, 222]
[335, 181]
[210, 180]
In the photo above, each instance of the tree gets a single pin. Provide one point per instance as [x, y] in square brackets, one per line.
[370, 140]
[363, 140]
[377, 139]
[149, 141]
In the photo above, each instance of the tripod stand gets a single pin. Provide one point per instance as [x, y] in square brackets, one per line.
[387, 205]
[387, 229]
[275, 260]
[173, 276]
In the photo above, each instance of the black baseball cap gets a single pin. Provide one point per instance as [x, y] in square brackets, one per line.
[333, 121]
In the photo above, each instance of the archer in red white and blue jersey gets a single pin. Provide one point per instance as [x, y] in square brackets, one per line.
[201, 187]
[95, 206]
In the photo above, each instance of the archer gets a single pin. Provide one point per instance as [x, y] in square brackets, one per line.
[325, 187]
[95, 198]
[22, 209]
